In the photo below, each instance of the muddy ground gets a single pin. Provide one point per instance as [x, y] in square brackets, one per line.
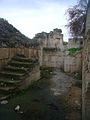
[53, 97]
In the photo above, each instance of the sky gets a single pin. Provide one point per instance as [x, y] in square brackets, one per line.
[35, 16]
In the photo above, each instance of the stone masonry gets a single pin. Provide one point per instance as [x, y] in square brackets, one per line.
[53, 39]
[86, 71]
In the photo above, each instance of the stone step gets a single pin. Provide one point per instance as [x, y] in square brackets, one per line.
[7, 89]
[21, 64]
[15, 69]
[3, 97]
[9, 82]
[23, 59]
[14, 75]
[20, 55]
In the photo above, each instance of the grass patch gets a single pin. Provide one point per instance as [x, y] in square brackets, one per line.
[73, 50]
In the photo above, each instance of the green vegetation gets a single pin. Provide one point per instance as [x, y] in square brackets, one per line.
[65, 43]
[73, 50]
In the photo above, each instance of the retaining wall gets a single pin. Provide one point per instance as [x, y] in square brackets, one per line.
[7, 53]
[73, 63]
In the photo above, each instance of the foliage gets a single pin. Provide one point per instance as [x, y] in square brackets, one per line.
[77, 18]
[73, 50]
[65, 43]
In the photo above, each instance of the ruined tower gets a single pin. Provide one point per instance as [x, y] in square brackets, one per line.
[53, 39]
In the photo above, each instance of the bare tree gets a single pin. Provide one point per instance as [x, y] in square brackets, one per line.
[77, 18]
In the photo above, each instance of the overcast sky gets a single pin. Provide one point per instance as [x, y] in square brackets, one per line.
[34, 16]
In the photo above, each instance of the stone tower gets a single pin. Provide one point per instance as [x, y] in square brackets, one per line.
[53, 39]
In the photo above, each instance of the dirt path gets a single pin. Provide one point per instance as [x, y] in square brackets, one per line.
[42, 101]
[61, 82]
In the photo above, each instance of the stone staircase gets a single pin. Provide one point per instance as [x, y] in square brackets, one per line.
[17, 70]
[87, 103]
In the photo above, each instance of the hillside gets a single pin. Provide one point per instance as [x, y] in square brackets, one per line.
[11, 37]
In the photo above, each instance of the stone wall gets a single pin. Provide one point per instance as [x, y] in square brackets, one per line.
[73, 63]
[53, 39]
[53, 58]
[34, 75]
[49, 58]
[86, 61]
[86, 75]
[59, 59]
[75, 43]
[86, 70]
[7, 53]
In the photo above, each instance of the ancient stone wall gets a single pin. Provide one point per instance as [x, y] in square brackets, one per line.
[86, 61]
[7, 53]
[73, 63]
[49, 57]
[59, 59]
[86, 75]
[53, 58]
[53, 39]
[86, 70]
[34, 75]
[75, 43]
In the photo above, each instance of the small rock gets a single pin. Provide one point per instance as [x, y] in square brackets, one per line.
[17, 108]
[4, 102]
[77, 103]
[2, 84]
[51, 72]
[21, 112]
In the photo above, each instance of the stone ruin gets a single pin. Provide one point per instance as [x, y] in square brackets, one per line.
[53, 39]
[86, 70]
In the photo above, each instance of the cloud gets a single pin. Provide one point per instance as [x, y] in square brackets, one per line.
[33, 16]
[32, 4]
